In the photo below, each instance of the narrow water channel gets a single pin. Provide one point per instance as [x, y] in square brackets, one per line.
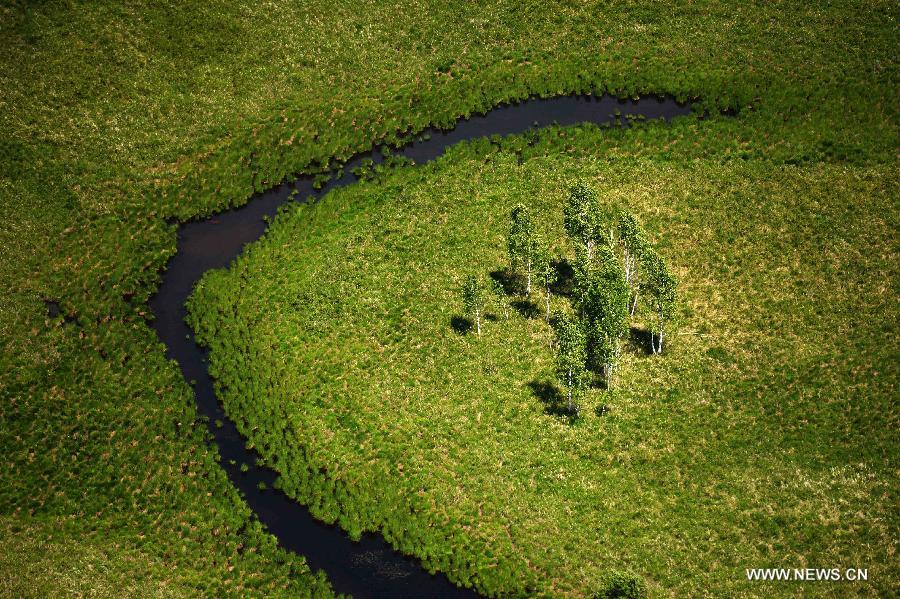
[369, 567]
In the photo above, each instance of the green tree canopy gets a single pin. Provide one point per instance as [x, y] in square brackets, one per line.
[586, 221]
[606, 312]
[660, 286]
[520, 242]
[571, 356]
[544, 269]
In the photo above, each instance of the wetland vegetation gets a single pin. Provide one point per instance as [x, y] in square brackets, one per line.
[331, 347]
[763, 435]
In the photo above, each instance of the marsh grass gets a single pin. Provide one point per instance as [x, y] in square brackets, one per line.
[115, 117]
[455, 446]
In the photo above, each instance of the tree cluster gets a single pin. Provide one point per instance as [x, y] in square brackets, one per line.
[615, 269]
[615, 266]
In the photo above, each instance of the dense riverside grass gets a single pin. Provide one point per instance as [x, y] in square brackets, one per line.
[115, 116]
[764, 435]
[41, 561]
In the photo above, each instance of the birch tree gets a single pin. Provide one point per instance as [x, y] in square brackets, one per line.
[581, 216]
[520, 243]
[633, 242]
[660, 286]
[606, 314]
[570, 358]
[473, 300]
[544, 270]
[582, 276]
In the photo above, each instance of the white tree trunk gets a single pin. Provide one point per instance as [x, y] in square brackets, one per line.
[547, 298]
[662, 324]
[662, 329]
[478, 320]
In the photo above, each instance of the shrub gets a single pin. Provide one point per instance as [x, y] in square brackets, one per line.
[622, 585]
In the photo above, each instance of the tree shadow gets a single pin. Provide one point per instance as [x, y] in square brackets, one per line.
[641, 340]
[597, 378]
[565, 278]
[554, 401]
[512, 282]
[596, 373]
[53, 308]
[526, 308]
[461, 324]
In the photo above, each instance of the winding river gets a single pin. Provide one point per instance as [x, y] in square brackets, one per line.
[369, 567]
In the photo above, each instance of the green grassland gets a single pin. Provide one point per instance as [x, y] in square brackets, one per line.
[115, 117]
[764, 435]
[41, 561]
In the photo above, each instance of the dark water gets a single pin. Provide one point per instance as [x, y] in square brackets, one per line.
[369, 567]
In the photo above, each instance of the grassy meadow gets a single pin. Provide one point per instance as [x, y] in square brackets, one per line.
[753, 440]
[120, 119]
